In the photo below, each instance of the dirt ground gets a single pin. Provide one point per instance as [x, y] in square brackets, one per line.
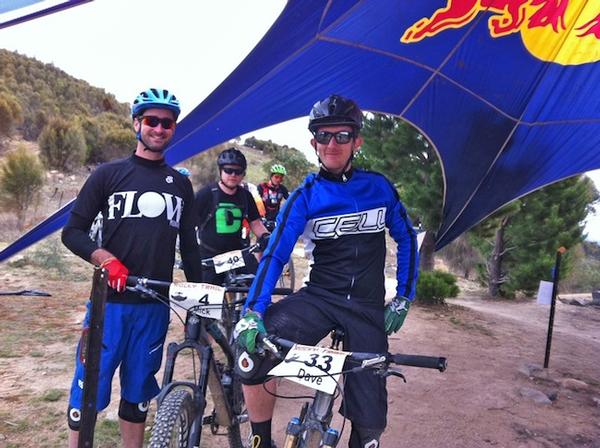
[487, 397]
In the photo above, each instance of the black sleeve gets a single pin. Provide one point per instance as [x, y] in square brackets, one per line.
[252, 208]
[188, 244]
[203, 204]
[75, 235]
[285, 192]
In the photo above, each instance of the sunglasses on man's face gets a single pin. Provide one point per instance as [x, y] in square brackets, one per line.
[152, 121]
[236, 171]
[341, 137]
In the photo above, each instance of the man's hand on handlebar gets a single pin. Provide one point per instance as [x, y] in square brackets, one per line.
[117, 273]
[263, 241]
[247, 330]
[395, 313]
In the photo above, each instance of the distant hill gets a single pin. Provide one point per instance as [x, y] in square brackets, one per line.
[44, 92]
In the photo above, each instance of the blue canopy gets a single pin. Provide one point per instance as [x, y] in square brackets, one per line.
[17, 11]
[505, 91]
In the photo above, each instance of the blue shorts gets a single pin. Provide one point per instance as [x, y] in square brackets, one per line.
[134, 336]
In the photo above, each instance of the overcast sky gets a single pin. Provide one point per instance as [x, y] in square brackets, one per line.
[188, 46]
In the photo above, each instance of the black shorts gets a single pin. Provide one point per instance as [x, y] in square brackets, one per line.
[307, 318]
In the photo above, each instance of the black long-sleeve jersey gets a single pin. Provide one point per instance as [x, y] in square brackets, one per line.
[145, 204]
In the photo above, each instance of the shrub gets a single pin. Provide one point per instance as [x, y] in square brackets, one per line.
[62, 145]
[21, 178]
[434, 287]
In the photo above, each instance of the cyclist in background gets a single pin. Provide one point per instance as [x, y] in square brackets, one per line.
[146, 204]
[222, 207]
[273, 193]
[342, 213]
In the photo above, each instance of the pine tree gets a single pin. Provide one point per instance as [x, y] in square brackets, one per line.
[396, 149]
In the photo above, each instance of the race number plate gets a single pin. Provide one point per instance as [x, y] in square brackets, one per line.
[228, 261]
[204, 299]
[316, 367]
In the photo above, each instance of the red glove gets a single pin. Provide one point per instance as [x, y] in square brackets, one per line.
[117, 273]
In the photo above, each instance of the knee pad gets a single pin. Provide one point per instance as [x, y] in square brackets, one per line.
[133, 412]
[364, 437]
[247, 367]
[74, 418]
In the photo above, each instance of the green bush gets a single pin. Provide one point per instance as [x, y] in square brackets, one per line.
[62, 145]
[21, 178]
[434, 287]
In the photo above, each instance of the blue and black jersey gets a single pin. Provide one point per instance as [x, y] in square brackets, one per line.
[343, 226]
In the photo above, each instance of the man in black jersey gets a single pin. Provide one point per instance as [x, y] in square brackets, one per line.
[221, 209]
[145, 204]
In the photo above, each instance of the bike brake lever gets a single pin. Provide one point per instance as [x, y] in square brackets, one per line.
[392, 372]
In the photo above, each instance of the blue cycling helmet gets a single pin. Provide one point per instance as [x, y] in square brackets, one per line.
[155, 99]
[183, 170]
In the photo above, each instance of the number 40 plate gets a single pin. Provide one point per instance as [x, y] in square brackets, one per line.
[316, 367]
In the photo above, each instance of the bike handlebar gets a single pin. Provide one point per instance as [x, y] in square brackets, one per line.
[208, 262]
[133, 280]
[427, 362]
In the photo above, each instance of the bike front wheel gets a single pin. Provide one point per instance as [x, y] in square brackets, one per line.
[173, 422]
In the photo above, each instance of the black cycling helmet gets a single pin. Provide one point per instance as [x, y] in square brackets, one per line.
[232, 156]
[335, 110]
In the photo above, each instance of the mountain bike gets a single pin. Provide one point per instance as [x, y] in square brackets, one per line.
[181, 413]
[320, 368]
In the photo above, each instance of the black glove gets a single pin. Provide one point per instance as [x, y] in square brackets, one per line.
[263, 241]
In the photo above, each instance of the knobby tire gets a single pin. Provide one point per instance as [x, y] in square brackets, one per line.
[173, 421]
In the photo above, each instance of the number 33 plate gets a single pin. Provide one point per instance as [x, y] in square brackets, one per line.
[316, 367]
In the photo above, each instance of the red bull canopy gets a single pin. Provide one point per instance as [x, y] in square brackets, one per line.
[506, 91]
[17, 11]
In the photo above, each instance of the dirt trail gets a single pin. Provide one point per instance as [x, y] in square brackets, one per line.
[477, 402]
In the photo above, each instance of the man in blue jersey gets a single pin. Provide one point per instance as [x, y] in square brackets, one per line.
[342, 214]
[145, 205]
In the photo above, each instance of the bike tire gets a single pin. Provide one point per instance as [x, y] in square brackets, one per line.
[312, 439]
[173, 421]
[240, 432]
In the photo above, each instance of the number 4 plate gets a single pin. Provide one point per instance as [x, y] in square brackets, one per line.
[202, 298]
[228, 261]
[316, 367]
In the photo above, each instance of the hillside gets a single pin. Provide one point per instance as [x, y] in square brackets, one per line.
[43, 91]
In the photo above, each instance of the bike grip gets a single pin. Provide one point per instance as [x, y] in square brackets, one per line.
[133, 280]
[427, 362]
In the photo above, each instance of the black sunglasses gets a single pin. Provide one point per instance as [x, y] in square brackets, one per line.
[341, 137]
[237, 172]
[152, 121]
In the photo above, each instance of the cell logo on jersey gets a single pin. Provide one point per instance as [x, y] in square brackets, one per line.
[150, 204]
[332, 227]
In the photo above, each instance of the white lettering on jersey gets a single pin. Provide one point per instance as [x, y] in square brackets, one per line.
[331, 227]
[150, 204]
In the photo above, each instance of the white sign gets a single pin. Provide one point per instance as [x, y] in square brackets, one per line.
[316, 367]
[544, 296]
[420, 238]
[203, 299]
[228, 261]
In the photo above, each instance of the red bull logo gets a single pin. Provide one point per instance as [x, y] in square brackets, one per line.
[563, 31]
